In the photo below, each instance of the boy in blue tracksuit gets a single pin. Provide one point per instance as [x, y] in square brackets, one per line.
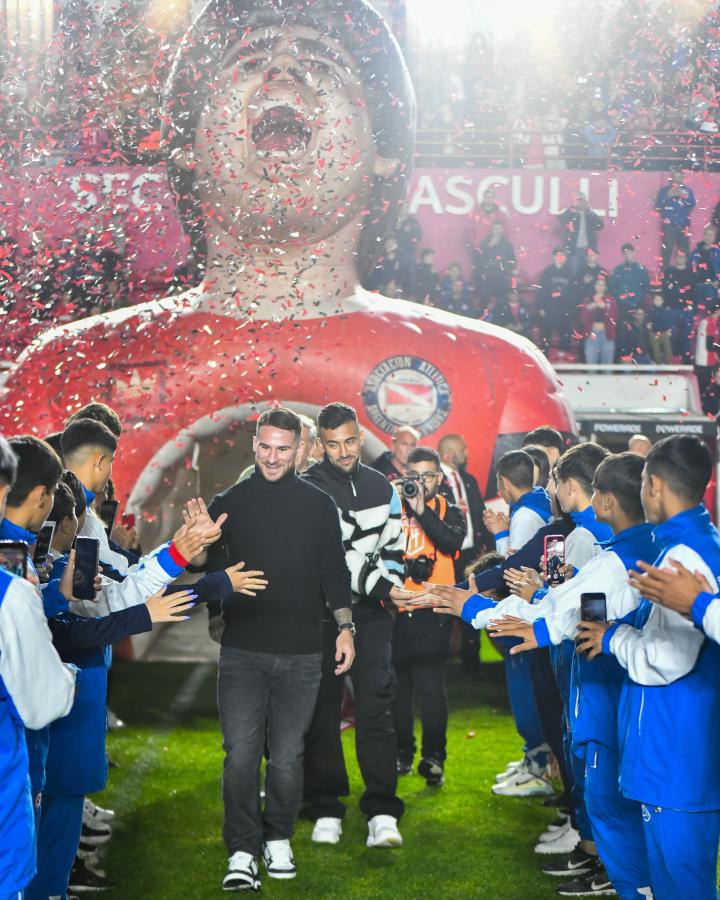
[35, 688]
[529, 506]
[674, 203]
[573, 477]
[529, 510]
[669, 720]
[596, 684]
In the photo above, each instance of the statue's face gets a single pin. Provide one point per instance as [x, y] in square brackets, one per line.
[284, 149]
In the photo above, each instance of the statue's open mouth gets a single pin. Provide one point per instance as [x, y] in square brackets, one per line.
[282, 131]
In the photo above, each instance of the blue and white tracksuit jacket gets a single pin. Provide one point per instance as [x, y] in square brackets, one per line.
[529, 513]
[35, 689]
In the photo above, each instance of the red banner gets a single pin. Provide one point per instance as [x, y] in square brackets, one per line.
[65, 202]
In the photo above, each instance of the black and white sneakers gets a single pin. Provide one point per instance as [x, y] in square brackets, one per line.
[576, 863]
[595, 884]
[432, 771]
[242, 873]
[278, 859]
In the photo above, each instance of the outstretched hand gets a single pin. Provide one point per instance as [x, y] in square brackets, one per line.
[511, 626]
[447, 599]
[676, 587]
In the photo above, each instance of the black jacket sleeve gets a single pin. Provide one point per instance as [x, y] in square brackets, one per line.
[217, 561]
[446, 534]
[72, 634]
[212, 589]
[334, 572]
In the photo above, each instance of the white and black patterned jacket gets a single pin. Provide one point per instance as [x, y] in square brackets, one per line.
[371, 521]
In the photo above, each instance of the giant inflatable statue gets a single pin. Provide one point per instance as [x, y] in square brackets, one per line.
[289, 127]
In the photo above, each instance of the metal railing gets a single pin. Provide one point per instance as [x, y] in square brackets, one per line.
[517, 148]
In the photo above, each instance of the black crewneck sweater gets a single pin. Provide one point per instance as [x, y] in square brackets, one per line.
[290, 530]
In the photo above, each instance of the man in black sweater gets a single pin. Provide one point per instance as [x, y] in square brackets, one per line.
[271, 647]
[370, 513]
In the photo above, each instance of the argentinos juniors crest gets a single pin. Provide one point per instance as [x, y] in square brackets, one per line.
[407, 390]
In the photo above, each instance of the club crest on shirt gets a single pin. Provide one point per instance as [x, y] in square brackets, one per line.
[407, 390]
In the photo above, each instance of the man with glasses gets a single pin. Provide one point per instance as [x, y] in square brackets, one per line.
[434, 533]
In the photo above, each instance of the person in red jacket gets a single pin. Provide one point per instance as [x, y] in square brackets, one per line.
[598, 324]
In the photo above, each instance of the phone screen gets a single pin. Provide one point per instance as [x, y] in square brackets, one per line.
[593, 607]
[43, 542]
[14, 557]
[554, 558]
[108, 512]
[87, 552]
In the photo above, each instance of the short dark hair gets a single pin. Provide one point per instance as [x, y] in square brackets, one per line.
[424, 454]
[620, 474]
[557, 250]
[99, 412]
[426, 251]
[334, 415]
[627, 246]
[38, 464]
[540, 458]
[580, 463]
[282, 418]
[489, 561]
[72, 482]
[545, 436]
[64, 505]
[55, 441]
[684, 463]
[81, 433]
[517, 467]
[8, 463]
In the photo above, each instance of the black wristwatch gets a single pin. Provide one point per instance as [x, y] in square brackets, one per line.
[348, 626]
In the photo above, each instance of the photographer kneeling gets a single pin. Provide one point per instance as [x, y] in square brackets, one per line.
[434, 533]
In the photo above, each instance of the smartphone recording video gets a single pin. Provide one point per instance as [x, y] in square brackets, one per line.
[42, 545]
[554, 558]
[14, 557]
[593, 607]
[87, 553]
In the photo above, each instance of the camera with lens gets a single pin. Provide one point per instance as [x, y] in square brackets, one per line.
[411, 487]
[420, 568]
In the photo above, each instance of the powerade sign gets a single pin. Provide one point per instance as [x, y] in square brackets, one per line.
[407, 390]
[705, 428]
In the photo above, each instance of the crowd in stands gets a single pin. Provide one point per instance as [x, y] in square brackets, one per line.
[582, 308]
[632, 84]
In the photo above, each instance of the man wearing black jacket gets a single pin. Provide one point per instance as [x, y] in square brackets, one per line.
[370, 514]
[271, 649]
[434, 532]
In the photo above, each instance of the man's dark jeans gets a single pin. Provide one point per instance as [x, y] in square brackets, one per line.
[263, 696]
[373, 683]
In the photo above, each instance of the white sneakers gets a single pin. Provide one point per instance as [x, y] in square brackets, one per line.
[523, 784]
[383, 832]
[564, 841]
[511, 769]
[278, 859]
[327, 830]
[242, 873]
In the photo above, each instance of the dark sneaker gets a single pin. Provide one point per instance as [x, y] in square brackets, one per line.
[432, 771]
[242, 873]
[404, 767]
[95, 833]
[83, 878]
[595, 884]
[576, 863]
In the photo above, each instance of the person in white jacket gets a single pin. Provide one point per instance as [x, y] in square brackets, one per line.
[36, 689]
